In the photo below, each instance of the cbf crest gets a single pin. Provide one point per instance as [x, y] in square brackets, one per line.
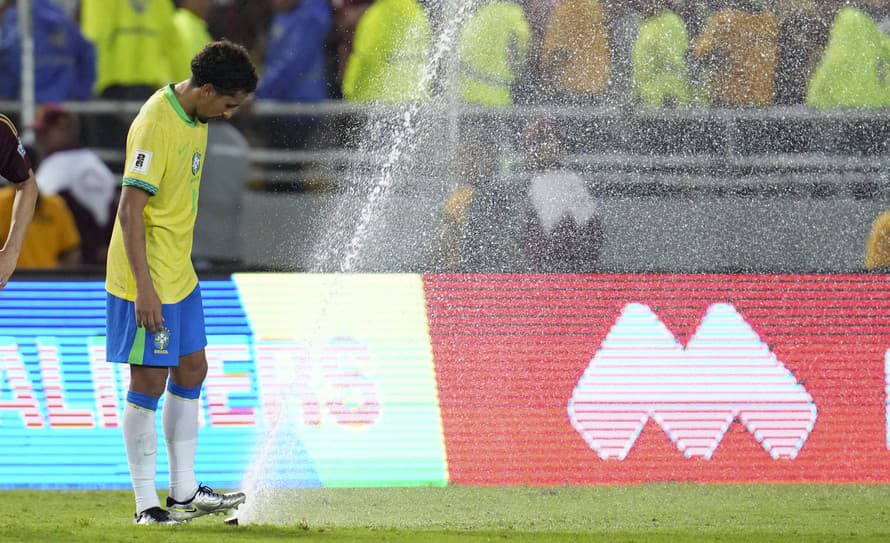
[162, 340]
[196, 163]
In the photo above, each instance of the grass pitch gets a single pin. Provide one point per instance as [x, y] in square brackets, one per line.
[655, 512]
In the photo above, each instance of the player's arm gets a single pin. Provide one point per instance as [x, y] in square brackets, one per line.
[15, 167]
[129, 212]
[22, 212]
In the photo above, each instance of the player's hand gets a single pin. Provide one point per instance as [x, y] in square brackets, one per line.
[148, 310]
[7, 266]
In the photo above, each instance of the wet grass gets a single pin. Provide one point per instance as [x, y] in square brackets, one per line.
[656, 512]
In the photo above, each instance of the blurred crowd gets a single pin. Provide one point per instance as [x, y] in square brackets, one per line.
[645, 53]
[826, 53]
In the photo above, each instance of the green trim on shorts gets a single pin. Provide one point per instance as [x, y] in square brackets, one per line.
[137, 351]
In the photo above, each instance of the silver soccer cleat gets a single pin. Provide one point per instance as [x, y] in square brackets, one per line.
[204, 502]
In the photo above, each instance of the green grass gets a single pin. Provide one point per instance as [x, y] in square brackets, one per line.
[656, 512]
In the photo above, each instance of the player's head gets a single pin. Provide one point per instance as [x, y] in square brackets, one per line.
[225, 76]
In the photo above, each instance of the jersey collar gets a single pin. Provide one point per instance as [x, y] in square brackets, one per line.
[177, 107]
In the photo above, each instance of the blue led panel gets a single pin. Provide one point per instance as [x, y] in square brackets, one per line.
[60, 422]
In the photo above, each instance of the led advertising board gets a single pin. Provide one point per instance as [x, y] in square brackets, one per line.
[395, 380]
[606, 379]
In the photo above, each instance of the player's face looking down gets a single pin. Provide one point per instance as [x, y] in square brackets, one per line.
[214, 105]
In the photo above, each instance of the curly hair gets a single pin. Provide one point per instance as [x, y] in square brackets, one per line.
[225, 65]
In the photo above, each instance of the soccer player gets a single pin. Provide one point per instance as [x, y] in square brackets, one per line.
[15, 168]
[155, 315]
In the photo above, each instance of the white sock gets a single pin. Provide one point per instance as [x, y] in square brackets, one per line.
[180, 416]
[141, 442]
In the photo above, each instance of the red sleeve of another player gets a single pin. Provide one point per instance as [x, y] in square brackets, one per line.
[14, 163]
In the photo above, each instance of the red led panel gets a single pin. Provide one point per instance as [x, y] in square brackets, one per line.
[609, 379]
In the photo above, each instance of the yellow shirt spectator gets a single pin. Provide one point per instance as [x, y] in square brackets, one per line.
[389, 55]
[575, 53]
[52, 240]
[136, 42]
[492, 48]
[745, 45]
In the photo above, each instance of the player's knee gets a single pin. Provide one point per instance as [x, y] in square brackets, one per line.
[146, 380]
[191, 371]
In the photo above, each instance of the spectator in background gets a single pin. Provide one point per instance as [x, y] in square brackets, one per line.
[137, 46]
[562, 230]
[740, 44]
[390, 54]
[346, 17]
[294, 63]
[803, 33]
[294, 67]
[660, 75]
[78, 177]
[492, 48]
[576, 60]
[52, 240]
[65, 62]
[853, 69]
[190, 21]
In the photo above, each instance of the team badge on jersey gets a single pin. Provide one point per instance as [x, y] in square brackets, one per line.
[162, 339]
[196, 163]
[141, 161]
[21, 149]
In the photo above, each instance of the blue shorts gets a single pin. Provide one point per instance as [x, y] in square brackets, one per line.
[183, 332]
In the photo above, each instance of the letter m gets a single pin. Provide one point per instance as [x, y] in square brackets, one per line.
[725, 373]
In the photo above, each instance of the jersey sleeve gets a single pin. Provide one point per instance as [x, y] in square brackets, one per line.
[14, 164]
[146, 158]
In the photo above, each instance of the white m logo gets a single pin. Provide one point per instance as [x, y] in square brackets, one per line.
[725, 374]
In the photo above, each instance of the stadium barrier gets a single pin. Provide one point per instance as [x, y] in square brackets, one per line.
[621, 138]
[404, 379]
[773, 189]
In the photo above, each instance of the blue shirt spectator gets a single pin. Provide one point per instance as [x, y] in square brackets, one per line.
[294, 64]
[65, 61]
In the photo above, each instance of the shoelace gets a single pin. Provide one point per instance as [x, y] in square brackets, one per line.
[207, 490]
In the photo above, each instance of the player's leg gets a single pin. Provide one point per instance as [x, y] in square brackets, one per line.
[187, 498]
[141, 440]
[129, 344]
[181, 409]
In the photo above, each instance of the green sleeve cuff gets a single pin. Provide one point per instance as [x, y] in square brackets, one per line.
[147, 187]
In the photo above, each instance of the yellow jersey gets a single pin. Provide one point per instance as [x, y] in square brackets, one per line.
[165, 157]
